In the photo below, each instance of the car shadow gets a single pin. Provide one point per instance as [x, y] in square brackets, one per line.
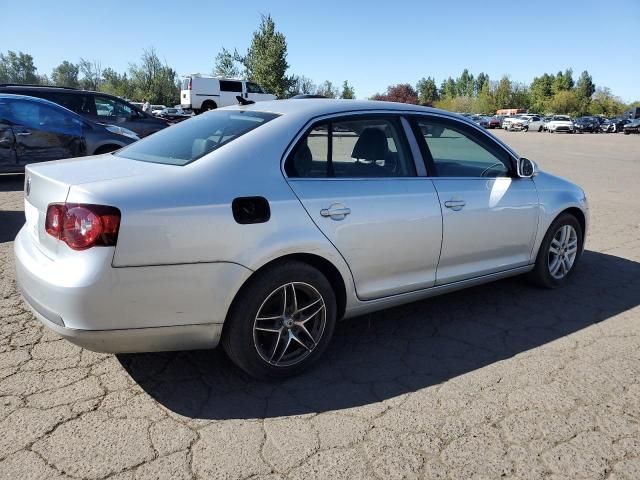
[10, 224]
[11, 182]
[399, 350]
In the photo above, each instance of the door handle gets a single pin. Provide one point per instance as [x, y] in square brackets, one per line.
[22, 134]
[336, 211]
[455, 205]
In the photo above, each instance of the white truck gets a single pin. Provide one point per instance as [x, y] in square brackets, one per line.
[201, 93]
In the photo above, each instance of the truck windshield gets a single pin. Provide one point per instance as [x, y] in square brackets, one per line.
[192, 139]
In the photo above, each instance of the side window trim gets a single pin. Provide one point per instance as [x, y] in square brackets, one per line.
[477, 135]
[416, 153]
[394, 118]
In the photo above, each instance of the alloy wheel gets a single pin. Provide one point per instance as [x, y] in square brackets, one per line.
[289, 324]
[563, 251]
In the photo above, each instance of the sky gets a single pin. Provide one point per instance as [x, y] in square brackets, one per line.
[371, 44]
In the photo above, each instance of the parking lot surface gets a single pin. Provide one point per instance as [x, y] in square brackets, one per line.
[499, 381]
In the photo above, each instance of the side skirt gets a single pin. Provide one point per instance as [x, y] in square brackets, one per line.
[363, 307]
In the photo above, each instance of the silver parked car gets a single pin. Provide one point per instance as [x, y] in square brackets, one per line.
[262, 225]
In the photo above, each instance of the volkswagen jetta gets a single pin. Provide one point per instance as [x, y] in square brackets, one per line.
[261, 225]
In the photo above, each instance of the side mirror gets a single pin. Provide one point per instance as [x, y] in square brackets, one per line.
[527, 168]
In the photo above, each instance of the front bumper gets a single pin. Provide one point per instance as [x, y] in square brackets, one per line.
[152, 308]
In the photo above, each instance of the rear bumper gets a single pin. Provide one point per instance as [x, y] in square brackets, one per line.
[86, 300]
[132, 340]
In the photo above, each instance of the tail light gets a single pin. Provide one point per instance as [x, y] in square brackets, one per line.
[83, 226]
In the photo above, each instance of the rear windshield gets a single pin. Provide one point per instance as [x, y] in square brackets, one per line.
[189, 140]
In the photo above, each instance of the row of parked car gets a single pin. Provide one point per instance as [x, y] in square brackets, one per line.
[558, 123]
[172, 114]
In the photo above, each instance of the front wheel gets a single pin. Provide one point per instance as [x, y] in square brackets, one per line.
[281, 322]
[559, 253]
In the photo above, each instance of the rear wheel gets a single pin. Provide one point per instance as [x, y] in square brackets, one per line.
[281, 322]
[208, 105]
[559, 253]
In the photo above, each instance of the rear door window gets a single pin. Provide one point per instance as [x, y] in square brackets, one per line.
[363, 147]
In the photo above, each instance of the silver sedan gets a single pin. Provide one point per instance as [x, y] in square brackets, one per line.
[262, 225]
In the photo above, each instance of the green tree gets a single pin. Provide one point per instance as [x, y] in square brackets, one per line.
[503, 93]
[116, 84]
[66, 75]
[585, 88]
[326, 89]
[348, 92]
[226, 64]
[300, 85]
[427, 91]
[520, 97]
[465, 84]
[603, 102]
[154, 81]
[486, 102]
[266, 59]
[449, 88]
[565, 101]
[540, 92]
[563, 81]
[91, 71]
[481, 80]
[18, 68]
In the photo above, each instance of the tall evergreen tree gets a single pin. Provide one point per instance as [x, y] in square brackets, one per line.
[266, 59]
[427, 91]
[348, 92]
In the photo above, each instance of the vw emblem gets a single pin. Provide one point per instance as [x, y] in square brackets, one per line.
[27, 187]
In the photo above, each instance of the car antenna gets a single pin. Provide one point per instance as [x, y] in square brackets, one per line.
[244, 101]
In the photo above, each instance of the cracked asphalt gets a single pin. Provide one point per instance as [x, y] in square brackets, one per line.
[499, 381]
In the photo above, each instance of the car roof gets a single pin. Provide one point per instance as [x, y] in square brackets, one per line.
[314, 107]
[44, 102]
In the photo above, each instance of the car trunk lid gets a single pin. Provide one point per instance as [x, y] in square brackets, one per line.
[51, 182]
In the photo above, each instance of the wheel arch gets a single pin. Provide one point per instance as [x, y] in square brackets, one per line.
[318, 262]
[580, 216]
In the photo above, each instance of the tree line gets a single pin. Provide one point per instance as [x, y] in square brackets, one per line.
[548, 93]
[149, 79]
[265, 63]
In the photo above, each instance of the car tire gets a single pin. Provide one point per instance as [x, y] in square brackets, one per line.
[539, 129]
[265, 343]
[208, 105]
[544, 273]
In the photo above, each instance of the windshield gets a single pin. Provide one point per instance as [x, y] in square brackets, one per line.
[562, 118]
[192, 139]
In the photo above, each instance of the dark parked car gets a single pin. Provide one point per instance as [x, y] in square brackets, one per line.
[614, 125]
[632, 127]
[36, 130]
[94, 106]
[586, 124]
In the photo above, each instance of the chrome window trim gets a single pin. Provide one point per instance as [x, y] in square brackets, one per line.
[399, 113]
[329, 116]
[421, 168]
